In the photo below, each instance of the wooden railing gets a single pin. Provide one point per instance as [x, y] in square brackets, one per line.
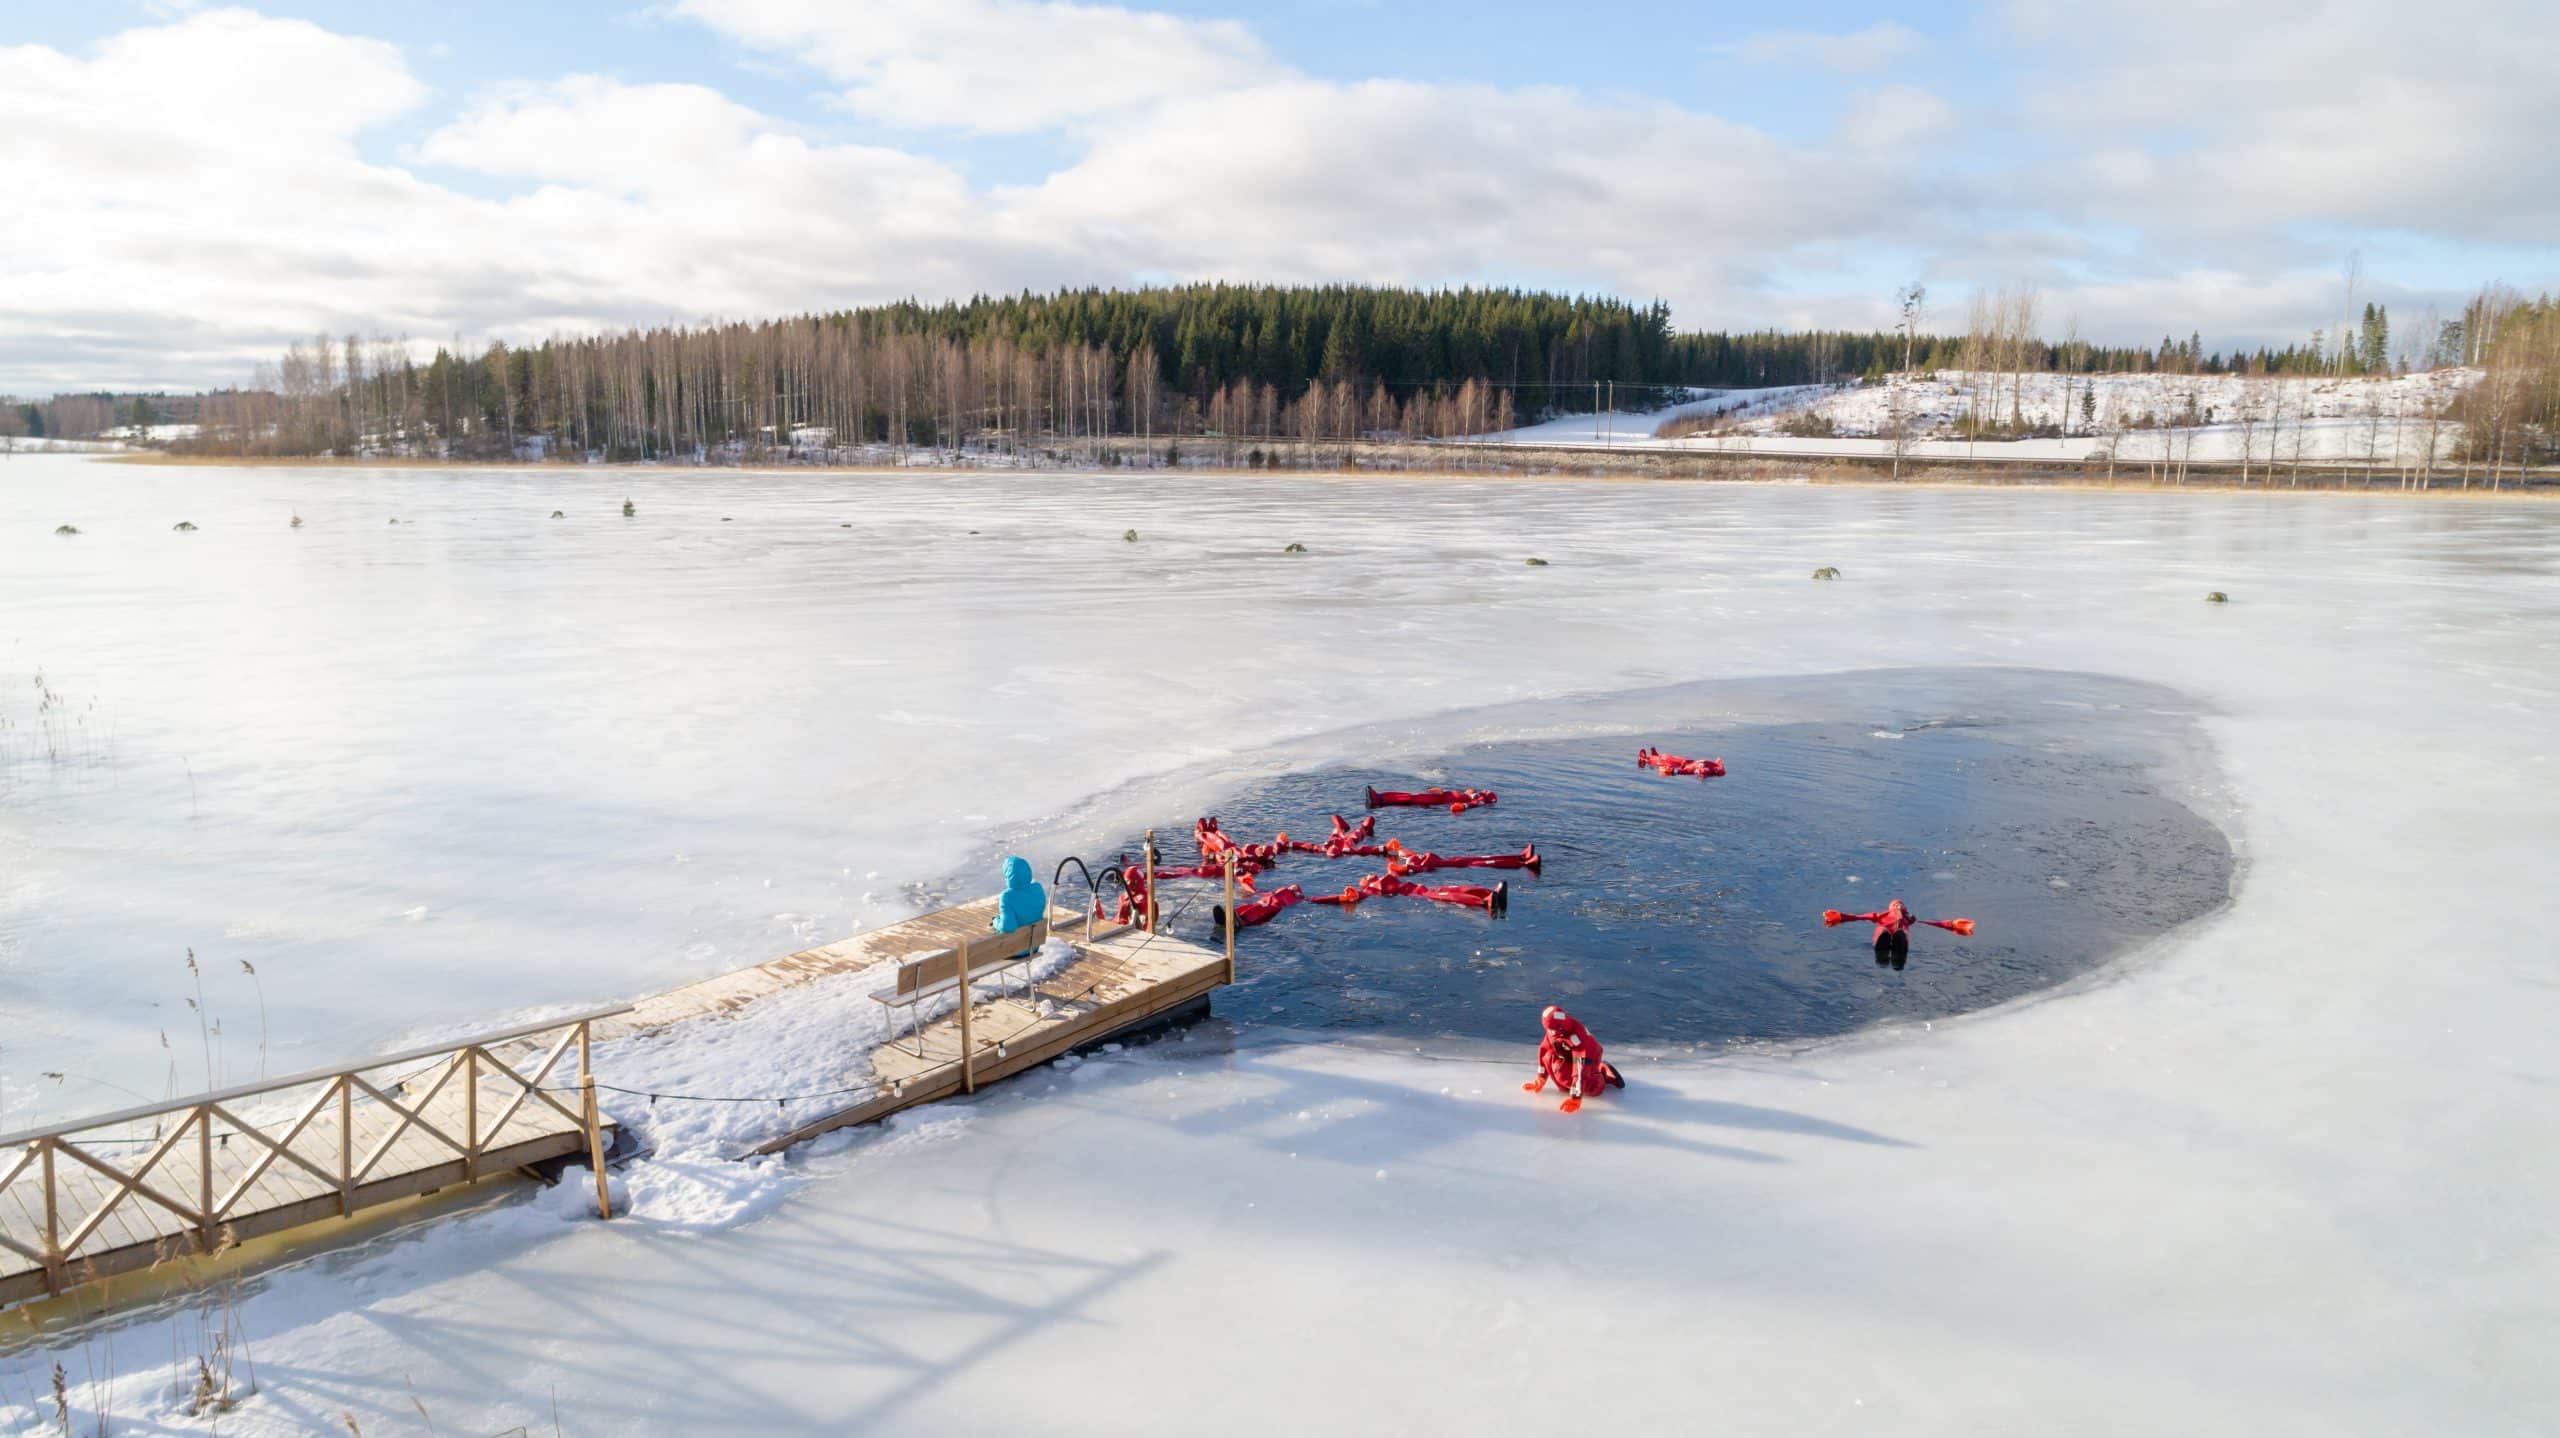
[302, 1155]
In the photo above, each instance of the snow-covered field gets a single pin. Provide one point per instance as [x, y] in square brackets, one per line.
[15, 445]
[154, 433]
[2387, 421]
[1636, 427]
[2290, 1170]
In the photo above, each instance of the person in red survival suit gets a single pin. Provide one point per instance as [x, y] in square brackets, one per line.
[1893, 929]
[1570, 1056]
[1133, 895]
[1402, 861]
[1258, 911]
[1456, 801]
[1214, 844]
[1264, 907]
[1674, 764]
[1496, 900]
[1244, 873]
[1345, 841]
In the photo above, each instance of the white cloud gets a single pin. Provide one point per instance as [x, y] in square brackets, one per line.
[1856, 53]
[1897, 115]
[2369, 114]
[194, 195]
[1388, 180]
[994, 66]
[191, 194]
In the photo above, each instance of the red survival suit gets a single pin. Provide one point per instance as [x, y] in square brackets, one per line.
[1344, 842]
[1381, 886]
[1402, 861]
[1570, 1057]
[1262, 908]
[1265, 907]
[1456, 801]
[1893, 919]
[1133, 895]
[1215, 845]
[1674, 764]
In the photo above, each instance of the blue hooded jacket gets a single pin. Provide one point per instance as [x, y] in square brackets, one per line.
[1024, 902]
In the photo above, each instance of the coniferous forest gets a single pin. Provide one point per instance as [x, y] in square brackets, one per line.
[1025, 371]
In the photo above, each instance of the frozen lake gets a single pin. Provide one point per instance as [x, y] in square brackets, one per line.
[422, 775]
[2283, 1166]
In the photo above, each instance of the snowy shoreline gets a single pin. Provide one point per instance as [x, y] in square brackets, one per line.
[2274, 1171]
[1830, 464]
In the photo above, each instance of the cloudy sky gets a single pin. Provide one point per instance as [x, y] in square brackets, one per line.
[183, 187]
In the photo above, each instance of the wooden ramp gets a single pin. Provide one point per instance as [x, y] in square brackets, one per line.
[1120, 979]
[98, 1197]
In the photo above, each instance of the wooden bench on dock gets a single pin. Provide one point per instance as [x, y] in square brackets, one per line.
[936, 974]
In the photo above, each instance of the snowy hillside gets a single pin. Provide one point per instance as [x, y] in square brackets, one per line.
[2385, 420]
[2097, 404]
[1618, 427]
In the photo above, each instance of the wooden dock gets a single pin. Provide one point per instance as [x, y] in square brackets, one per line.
[93, 1198]
[891, 944]
[97, 1197]
[1120, 978]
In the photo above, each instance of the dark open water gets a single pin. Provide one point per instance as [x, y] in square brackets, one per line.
[1686, 911]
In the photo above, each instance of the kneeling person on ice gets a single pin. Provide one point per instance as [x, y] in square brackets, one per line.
[1569, 1055]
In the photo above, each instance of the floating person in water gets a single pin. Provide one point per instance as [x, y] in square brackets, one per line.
[1893, 929]
[1346, 840]
[1570, 1056]
[1215, 845]
[1495, 901]
[1262, 908]
[1402, 861]
[1670, 765]
[1456, 801]
[1024, 902]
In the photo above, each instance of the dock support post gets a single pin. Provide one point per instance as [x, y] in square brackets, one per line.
[968, 1037]
[346, 1147]
[593, 1120]
[1148, 868]
[52, 1220]
[470, 1115]
[1230, 924]
[204, 1175]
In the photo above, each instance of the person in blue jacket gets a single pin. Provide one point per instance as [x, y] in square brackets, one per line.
[1023, 902]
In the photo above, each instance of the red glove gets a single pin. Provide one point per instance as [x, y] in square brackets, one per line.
[1572, 1105]
[1964, 927]
[1535, 1085]
[1833, 918]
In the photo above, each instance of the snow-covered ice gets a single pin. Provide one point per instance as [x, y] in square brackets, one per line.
[2288, 1170]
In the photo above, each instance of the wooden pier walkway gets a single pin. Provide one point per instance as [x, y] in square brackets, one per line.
[890, 944]
[97, 1197]
[92, 1198]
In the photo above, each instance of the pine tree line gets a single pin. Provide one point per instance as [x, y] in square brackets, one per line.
[1088, 366]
